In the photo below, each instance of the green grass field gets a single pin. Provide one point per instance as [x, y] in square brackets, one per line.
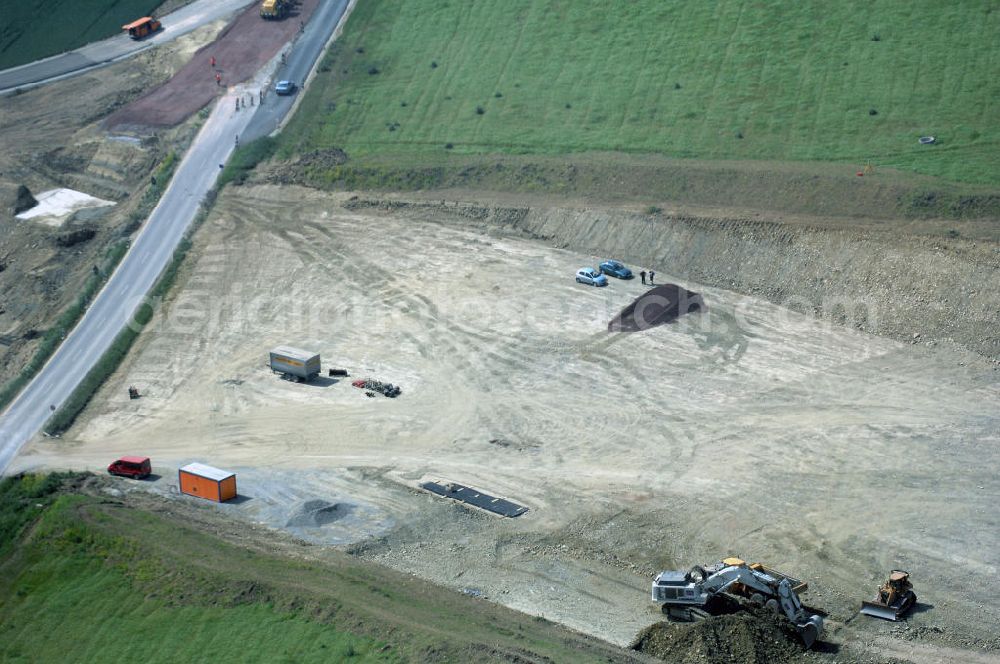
[844, 82]
[90, 579]
[35, 29]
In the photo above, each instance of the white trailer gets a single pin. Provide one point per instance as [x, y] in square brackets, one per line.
[295, 363]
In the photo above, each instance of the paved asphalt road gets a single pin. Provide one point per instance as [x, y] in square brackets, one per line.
[153, 247]
[308, 49]
[178, 23]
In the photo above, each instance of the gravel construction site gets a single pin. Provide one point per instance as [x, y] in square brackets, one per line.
[742, 429]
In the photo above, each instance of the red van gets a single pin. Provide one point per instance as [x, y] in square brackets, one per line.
[136, 467]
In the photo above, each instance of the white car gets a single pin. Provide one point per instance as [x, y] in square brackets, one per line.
[590, 276]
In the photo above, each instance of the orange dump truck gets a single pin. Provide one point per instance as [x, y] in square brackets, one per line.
[141, 27]
[197, 479]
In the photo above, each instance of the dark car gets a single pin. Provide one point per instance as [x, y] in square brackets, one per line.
[285, 87]
[615, 269]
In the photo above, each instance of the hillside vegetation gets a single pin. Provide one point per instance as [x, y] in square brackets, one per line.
[732, 79]
[35, 29]
[107, 580]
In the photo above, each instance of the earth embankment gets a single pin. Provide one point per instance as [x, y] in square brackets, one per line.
[916, 288]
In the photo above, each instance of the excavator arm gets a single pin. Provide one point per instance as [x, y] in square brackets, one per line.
[701, 586]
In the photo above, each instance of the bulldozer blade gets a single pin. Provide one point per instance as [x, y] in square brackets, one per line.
[809, 631]
[877, 610]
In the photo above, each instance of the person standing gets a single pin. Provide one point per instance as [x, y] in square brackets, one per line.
[642, 275]
[218, 79]
[212, 61]
[651, 275]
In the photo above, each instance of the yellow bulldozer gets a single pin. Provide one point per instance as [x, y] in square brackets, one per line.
[894, 597]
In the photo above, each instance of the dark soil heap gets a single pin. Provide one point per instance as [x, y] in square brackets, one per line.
[751, 636]
[657, 306]
[23, 200]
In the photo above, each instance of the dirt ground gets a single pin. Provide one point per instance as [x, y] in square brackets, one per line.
[241, 49]
[52, 139]
[746, 429]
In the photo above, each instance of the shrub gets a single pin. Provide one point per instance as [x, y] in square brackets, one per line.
[245, 159]
[480, 110]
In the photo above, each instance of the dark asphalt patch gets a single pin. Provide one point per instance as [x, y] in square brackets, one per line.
[468, 495]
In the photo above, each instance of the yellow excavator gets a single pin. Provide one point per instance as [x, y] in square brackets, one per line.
[894, 598]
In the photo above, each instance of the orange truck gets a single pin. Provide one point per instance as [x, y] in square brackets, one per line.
[142, 27]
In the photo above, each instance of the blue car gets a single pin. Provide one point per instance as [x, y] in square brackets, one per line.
[615, 269]
[590, 276]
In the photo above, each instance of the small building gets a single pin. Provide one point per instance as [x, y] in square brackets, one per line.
[197, 479]
[295, 362]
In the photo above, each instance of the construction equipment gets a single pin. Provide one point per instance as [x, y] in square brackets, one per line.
[371, 385]
[142, 27]
[894, 598]
[690, 595]
[274, 9]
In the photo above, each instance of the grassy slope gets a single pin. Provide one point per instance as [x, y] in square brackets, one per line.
[35, 29]
[795, 80]
[104, 582]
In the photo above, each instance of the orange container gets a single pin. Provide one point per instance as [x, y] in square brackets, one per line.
[197, 479]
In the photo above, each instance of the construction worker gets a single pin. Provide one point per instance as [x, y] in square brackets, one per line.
[642, 275]
[651, 275]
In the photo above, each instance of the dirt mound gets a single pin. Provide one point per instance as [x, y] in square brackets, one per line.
[304, 167]
[753, 636]
[657, 306]
[75, 237]
[315, 513]
[23, 200]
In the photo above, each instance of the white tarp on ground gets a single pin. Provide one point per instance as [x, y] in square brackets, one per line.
[56, 205]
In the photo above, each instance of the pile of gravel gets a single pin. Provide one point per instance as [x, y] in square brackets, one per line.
[315, 513]
[753, 636]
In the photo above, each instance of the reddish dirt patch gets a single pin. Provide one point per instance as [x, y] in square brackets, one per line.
[240, 50]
